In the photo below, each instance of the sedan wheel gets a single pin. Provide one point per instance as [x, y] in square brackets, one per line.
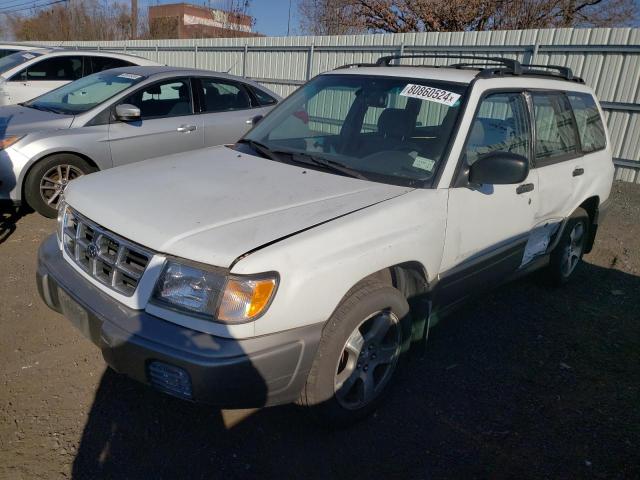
[55, 180]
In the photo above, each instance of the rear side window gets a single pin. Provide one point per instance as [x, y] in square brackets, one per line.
[98, 64]
[590, 126]
[556, 135]
[221, 96]
[263, 97]
[501, 125]
[53, 69]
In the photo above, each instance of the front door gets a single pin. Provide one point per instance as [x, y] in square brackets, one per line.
[167, 124]
[488, 225]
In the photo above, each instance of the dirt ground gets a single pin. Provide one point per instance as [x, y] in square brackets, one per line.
[531, 382]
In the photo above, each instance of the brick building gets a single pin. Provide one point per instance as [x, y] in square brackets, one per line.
[182, 20]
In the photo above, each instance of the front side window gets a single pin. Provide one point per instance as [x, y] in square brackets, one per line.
[501, 125]
[170, 98]
[221, 96]
[556, 134]
[84, 94]
[52, 69]
[393, 130]
[590, 126]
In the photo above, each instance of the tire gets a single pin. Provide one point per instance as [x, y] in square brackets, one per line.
[345, 384]
[43, 195]
[567, 255]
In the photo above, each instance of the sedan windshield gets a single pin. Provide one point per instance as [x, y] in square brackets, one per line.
[84, 94]
[387, 129]
[15, 59]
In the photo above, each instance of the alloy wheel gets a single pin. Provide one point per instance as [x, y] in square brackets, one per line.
[368, 360]
[55, 180]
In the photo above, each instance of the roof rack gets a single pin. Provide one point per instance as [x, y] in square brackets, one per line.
[490, 66]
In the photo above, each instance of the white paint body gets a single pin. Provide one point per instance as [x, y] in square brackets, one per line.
[13, 90]
[322, 232]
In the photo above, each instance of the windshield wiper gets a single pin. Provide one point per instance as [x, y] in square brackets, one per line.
[326, 163]
[40, 107]
[261, 148]
[304, 158]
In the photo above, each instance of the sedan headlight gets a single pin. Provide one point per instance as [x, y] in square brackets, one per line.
[213, 295]
[6, 142]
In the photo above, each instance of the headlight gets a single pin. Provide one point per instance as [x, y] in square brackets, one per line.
[62, 210]
[214, 295]
[6, 142]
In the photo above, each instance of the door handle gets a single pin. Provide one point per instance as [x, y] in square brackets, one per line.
[186, 128]
[525, 187]
[578, 171]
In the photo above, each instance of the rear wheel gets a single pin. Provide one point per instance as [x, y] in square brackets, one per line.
[47, 180]
[359, 354]
[568, 253]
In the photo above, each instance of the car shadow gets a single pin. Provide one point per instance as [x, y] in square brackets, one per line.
[9, 216]
[526, 382]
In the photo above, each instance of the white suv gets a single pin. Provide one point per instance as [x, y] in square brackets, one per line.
[301, 263]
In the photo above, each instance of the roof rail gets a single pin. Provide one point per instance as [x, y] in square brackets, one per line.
[564, 72]
[513, 66]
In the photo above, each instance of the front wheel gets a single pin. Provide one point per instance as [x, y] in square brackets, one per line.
[47, 180]
[568, 253]
[359, 353]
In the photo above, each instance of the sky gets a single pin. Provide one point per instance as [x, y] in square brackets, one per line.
[271, 15]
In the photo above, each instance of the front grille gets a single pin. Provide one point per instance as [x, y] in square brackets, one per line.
[111, 260]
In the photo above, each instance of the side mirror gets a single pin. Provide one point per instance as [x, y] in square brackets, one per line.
[127, 113]
[499, 168]
[255, 120]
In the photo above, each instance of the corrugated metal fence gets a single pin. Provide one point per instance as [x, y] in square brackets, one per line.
[608, 60]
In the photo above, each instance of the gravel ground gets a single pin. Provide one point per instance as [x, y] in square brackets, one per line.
[531, 382]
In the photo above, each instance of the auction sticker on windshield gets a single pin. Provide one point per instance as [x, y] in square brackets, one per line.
[130, 76]
[430, 94]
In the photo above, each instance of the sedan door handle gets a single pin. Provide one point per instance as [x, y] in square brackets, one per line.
[525, 187]
[578, 171]
[186, 128]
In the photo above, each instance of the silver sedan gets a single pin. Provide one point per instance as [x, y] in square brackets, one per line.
[115, 117]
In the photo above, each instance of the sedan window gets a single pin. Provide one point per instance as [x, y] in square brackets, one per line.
[169, 98]
[84, 94]
[221, 96]
[55, 69]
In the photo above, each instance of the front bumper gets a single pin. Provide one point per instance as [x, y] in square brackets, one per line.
[225, 372]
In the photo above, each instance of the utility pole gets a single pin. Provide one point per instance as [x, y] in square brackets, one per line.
[134, 19]
[289, 19]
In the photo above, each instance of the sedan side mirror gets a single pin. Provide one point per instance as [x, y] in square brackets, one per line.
[254, 120]
[127, 113]
[499, 168]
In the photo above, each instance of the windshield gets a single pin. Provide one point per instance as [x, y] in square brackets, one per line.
[383, 128]
[15, 59]
[84, 94]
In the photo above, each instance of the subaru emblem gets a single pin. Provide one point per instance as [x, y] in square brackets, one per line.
[92, 250]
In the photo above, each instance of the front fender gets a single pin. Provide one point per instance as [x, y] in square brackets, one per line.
[318, 267]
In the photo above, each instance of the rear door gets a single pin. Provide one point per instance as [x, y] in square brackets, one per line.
[227, 108]
[558, 156]
[488, 226]
[43, 76]
[167, 125]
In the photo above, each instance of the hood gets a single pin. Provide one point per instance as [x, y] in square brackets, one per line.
[18, 120]
[215, 204]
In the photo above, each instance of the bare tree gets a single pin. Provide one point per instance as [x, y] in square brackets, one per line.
[75, 20]
[398, 16]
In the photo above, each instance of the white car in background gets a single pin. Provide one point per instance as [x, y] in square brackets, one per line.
[29, 74]
[9, 48]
